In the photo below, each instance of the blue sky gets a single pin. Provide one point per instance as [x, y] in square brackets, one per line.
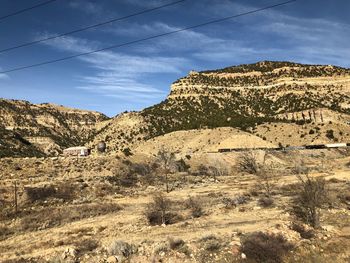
[140, 75]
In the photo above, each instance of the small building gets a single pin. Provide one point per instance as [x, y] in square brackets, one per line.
[76, 151]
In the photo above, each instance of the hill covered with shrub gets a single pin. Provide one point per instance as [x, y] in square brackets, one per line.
[243, 97]
[45, 128]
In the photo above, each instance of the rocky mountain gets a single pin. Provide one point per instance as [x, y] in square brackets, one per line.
[38, 129]
[12, 144]
[280, 102]
[245, 97]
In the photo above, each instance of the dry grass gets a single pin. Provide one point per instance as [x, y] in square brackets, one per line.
[161, 211]
[263, 247]
[195, 205]
[91, 218]
[50, 217]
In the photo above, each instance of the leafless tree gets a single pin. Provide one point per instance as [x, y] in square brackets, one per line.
[312, 197]
[217, 170]
[248, 162]
[266, 176]
[265, 180]
[167, 163]
[159, 210]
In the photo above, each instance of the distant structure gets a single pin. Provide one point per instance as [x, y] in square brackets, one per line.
[101, 147]
[76, 151]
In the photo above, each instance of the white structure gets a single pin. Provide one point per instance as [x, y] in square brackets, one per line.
[335, 145]
[76, 151]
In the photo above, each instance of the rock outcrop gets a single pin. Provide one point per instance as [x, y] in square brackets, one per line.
[46, 127]
[243, 97]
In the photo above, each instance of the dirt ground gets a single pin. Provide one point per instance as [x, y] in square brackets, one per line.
[75, 209]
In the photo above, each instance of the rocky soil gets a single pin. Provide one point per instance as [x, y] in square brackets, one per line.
[96, 209]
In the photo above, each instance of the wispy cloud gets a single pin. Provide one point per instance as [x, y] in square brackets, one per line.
[267, 35]
[117, 74]
[180, 42]
[91, 8]
[271, 35]
[3, 76]
[143, 3]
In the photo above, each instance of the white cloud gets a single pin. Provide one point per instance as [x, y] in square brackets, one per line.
[145, 3]
[123, 75]
[131, 91]
[188, 40]
[309, 40]
[3, 76]
[87, 7]
[305, 39]
[117, 74]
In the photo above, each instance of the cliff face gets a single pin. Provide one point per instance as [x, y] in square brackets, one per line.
[266, 89]
[266, 98]
[243, 97]
[47, 127]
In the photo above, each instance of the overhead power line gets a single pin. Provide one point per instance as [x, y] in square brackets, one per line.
[91, 26]
[147, 38]
[26, 9]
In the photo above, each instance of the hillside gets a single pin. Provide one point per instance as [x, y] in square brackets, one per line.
[199, 141]
[12, 144]
[44, 128]
[280, 102]
[244, 97]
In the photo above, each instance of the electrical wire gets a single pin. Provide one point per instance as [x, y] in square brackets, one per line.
[91, 26]
[26, 9]
[148, 38]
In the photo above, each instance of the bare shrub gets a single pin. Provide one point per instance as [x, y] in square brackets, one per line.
[289, 189]
[86, 245]
[264, 247]
[161, 247]
[300, 168]
[127, 152]
[214, 169]
[141, 169]
[159, 211]
[312, 196]
[175, 243]
[233, 202]
[121, 249]
[266, 181]
[255, 191]
[248, 162]
[145, 172]
[210, 243]
[167, 163]
[344, 197]
[123, 178]
[34, 194]
[50, 216]
[304, 232]
[5, 231]
[65, 191]
[202, 170]
[131, 173]
[182, 166]
[179, 245]
[195, 206]
[265, 201]
[334, 180]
